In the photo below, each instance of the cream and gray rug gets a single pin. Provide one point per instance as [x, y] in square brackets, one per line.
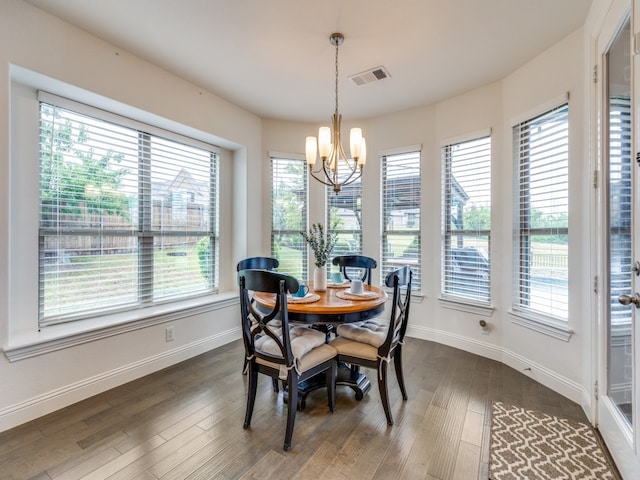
[528, 445]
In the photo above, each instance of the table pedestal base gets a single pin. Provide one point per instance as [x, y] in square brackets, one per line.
[347, 376]
[353, 378]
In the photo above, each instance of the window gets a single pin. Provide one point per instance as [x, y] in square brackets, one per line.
[289, 215]
[127, 218]
[344, 217]
[401, 213]
[466, 212]
[541, 146]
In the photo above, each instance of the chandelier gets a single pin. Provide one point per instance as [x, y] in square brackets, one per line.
[336, 169]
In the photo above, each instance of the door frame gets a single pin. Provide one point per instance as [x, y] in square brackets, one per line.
[622, 443]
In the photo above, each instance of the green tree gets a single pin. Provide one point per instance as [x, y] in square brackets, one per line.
[72, 175]
[477, 218]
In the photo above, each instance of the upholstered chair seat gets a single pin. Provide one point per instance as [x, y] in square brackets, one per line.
[351, 348]
[307, 345]
[370, 332]
[309, 360]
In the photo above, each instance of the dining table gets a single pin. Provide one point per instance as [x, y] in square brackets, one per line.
[325, 310]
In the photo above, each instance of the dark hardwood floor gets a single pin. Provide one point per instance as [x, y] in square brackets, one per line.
[185, 422]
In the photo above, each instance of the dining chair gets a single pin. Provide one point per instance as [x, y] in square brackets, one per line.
[352, 262]
[374, 344]
[291, 354]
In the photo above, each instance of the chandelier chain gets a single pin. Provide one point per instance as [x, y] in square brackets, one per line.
[337, 46]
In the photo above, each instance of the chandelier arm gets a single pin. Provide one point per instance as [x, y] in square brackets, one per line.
[313, 174]
[350, 179]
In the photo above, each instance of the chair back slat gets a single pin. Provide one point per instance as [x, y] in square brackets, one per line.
[355, 267]
[400, 280]
[258, 263]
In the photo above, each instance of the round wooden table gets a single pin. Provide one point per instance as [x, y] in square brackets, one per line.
[327, 311]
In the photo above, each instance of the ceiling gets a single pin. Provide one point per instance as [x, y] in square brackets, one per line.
[274, 58]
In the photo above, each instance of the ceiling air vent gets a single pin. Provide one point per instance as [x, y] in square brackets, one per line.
[373, 75]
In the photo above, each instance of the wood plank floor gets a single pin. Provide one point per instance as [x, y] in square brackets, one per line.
[185, 422]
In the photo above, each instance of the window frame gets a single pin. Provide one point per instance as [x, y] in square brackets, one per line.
[23, 337]
[545, 322]
[386, 266]
[304, 219]
[447, 292]
[356, 201]
[144, 234]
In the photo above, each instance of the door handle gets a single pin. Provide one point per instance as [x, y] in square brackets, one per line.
[626, 299]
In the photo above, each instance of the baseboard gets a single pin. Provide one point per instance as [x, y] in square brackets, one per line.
[40, 405]
[35, 407]
[547, 377]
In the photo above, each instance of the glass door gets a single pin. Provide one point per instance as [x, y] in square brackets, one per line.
[617, 404]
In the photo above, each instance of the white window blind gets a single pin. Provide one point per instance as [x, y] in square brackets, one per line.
[127, 218]
[344, 217]
[289, 215]
[401, 197]
[466, 211]
[541, 146]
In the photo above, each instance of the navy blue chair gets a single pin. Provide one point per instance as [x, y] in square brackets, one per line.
[372, 344]
[290, 354]
[258, 263]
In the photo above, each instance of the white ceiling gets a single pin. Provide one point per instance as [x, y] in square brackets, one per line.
[274, 58]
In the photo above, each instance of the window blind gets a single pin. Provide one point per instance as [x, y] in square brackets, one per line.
[289, 215]
[541, 146]
[466, 212]
[127, 218]
[401, 203]
[344, 217]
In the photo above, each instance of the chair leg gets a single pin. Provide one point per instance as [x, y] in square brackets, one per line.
[384, 392]
[251, 394]
[331, 376]
[274, 381]
[397, 361]
[292, 407]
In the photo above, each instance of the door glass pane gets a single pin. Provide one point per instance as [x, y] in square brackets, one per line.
[619, 341]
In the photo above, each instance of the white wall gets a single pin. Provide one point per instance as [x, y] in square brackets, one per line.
[39, 50]
[539, 83]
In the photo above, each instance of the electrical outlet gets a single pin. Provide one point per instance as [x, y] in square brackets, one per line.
[168, 334]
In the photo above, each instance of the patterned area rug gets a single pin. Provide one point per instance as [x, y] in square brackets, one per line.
[526, 444]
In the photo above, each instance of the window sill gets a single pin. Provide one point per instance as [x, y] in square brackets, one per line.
[57, 337]
[466, 306]
[545, 325]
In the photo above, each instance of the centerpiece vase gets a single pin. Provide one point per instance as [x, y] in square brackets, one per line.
[320, 278]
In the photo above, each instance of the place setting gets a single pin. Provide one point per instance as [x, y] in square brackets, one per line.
[303, 295]
[356, 292]
[338, 281]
